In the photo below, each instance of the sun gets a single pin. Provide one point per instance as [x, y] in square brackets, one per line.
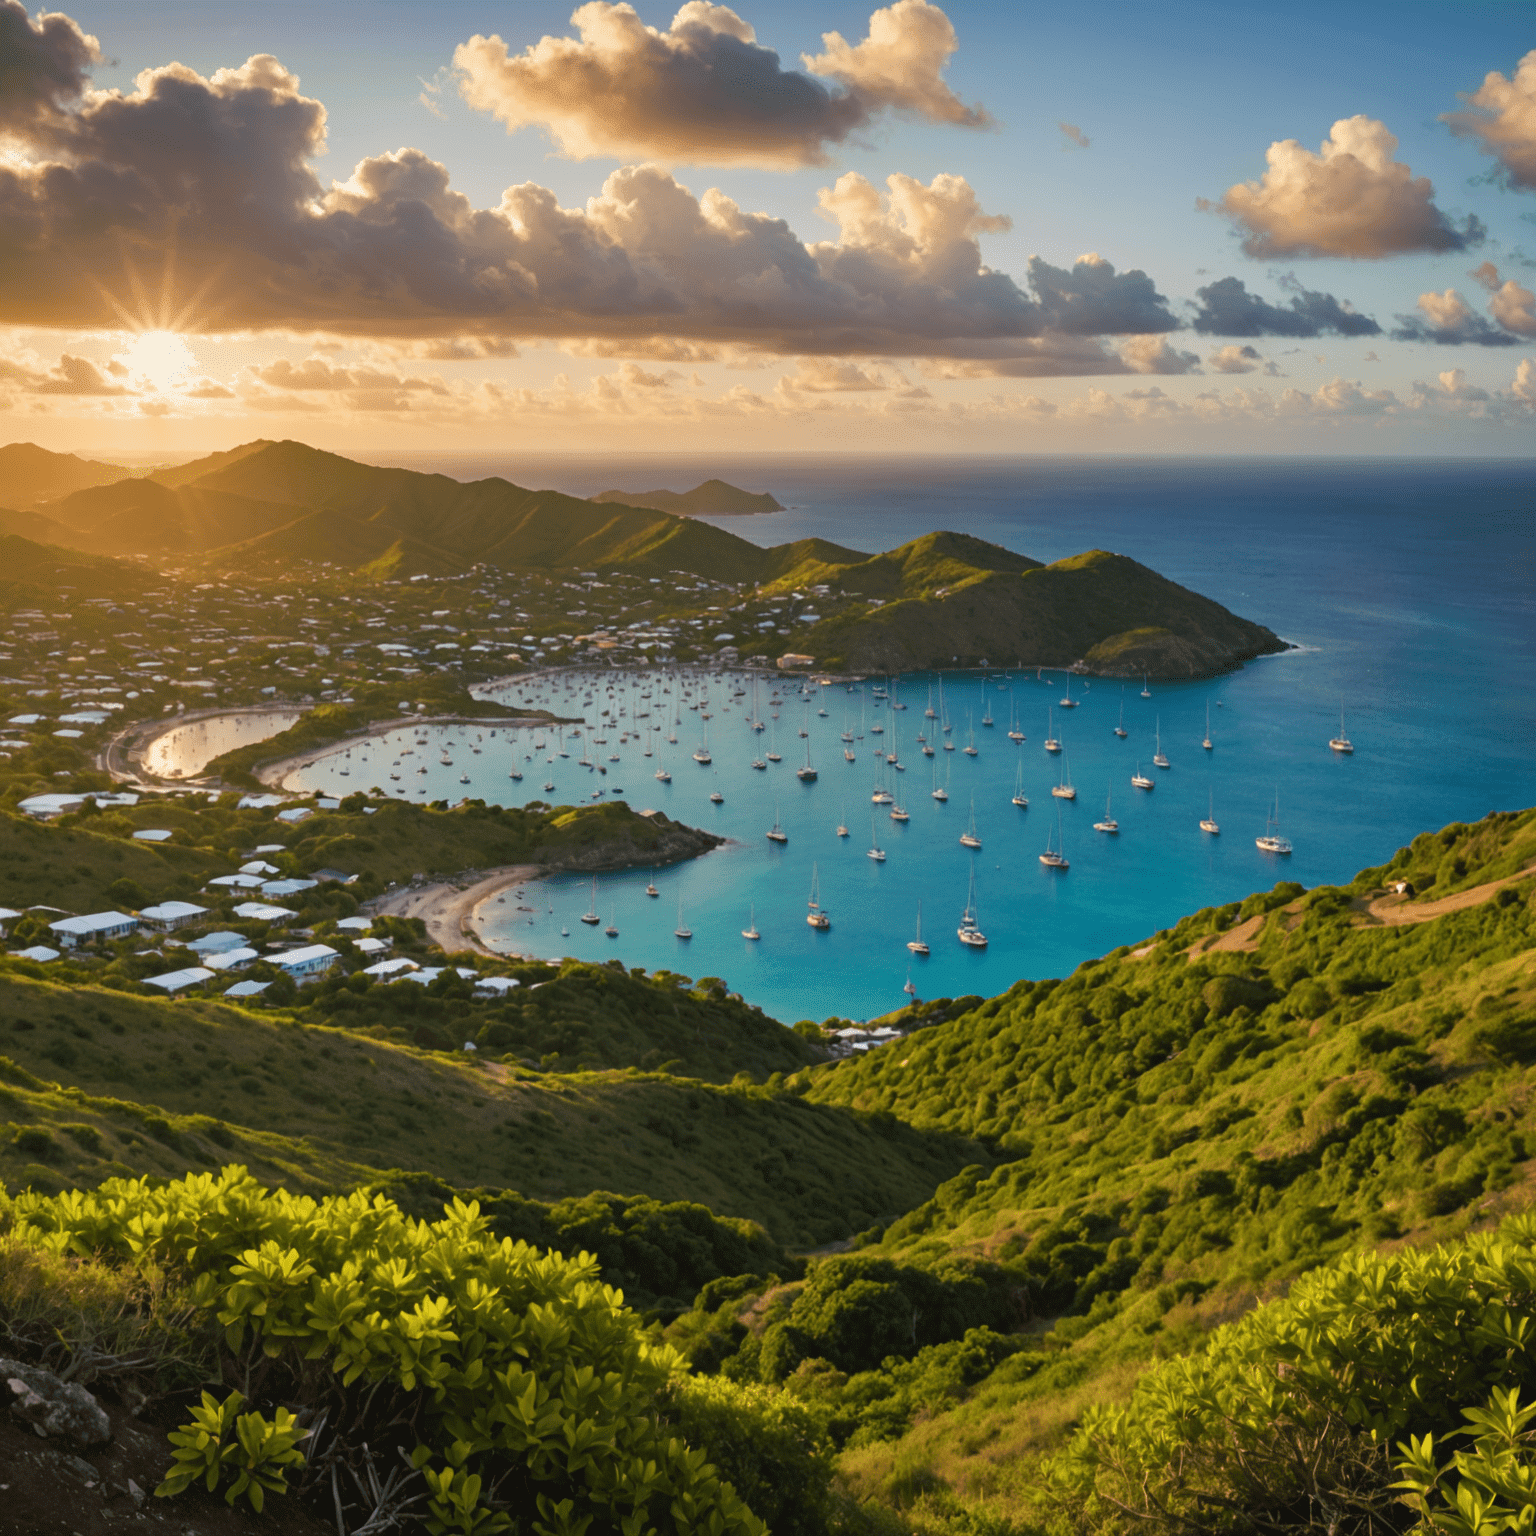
[161, 358]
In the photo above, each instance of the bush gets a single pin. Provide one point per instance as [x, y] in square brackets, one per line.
[34, 1140]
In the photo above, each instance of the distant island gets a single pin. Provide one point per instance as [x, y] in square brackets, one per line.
[715, 498]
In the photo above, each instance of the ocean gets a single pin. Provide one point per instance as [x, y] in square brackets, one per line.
[1409, 588]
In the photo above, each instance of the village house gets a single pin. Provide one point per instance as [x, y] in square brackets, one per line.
[95, 928]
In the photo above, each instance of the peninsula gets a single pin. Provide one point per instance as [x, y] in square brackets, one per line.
[714, 498]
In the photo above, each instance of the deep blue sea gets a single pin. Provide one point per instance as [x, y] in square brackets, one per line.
[1410, 586]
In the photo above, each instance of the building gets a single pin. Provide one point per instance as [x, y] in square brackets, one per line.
[286, 887]
[247, 991]
[217, 943]
[495, 986]
[7, 917]
[390, 969]
[173, 982]
[96, 928]
[792, 661]
[39, 952]
[170, 915]
[263, 912]
[312, 960]
[340, 876]
[231, 959]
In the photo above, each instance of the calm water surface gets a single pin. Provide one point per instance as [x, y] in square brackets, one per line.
[1409, 587]
[186, 749]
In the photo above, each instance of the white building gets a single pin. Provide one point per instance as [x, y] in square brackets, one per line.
[390, 969]
[262, 912]
[495, 986]
[38, 952]
[173, 982]
[96, 928]
[312, 960]
[245, 991]
[217, 943]
[169, 915]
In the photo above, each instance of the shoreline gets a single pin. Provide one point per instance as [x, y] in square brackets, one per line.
[141, 735]
[448, 910]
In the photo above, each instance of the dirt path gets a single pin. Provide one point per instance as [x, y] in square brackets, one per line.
[448, 910]
[1394, 911]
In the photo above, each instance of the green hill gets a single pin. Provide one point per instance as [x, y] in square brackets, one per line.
[31, 569]
[31, 474]
[714, 498]
[950, 600]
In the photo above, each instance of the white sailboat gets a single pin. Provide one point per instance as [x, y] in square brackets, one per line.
[1055, 857]
[750, 931]
[590, 917]
[650, 889]
[1146, 692]
[1209, 824]
[1014, 733]
[1341, 743]
[1207, 743]
[917, 946]
[816, 917]
[773, 754]
[842, 826]
[701, 752]
[682, 931]
[969, 933]
[776, 833]
[1064, 790]
[876, 852]
[1109, 824]
[1120, 728]
[1159, 758]
[1272, 842]
[1139, 780]
[1020, 799]
[1051, 744]
[807, 774]
[938, 792]
[968, 838]
[1067, 701]
[970, 738]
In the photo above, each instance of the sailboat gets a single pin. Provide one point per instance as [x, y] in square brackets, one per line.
[899, 812]
[590, 917]
[938, 792]
[750, 931]
[716, 798]
[1055, 858]
[842, 826]
[929, 713]
[986, 712]
[701, 753]
[968, 932]
[1209, 824]
[807, 774]
[908, 988]
[1014, 733]
[1207, 742]
[1051, 743]
[773, 754]
[612, 930]
[1146, 692]
[816, 917]
[1272, 842]
[1020, 799]
[663, 776]
[683, 931]
[650, 889]
[776, 833]
[1064, 790]
[916, 945]
[1109, 824]
[1120, 728]
[876, 852]
[1341, 742]
[1067, 701]
[1139, 780]
[1159, 758]
[968, 838]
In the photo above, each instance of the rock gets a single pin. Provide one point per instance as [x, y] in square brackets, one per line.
[56, 1409]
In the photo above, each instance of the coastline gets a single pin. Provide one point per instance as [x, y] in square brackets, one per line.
[449, 910]
[116, 755]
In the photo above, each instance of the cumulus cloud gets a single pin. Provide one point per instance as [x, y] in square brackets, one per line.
[1073, 137]
[1500, 117]
[315, 373]
[825, 375]
[1236, 359]
[705, 91]
[46, 66]
[1513, 306]
[1228, 309]
[75, 376]
[1353, 198]
[213, 173]
[1446, 318]
[1153, 354]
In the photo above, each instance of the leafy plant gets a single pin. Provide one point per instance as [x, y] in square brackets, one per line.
[257, 1456]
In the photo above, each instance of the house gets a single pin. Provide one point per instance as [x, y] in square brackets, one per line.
[170, 915]
[259, 867]
[258, 802]
[340, 876]
[230, 959]
[429, 973]
[791, 661]
[173, 982]
[45, 807]
[95, 928]
[390, 969]
[38, 952]
[294, 814]
[247, 991]
[234, 883]
[286, 887]
[351, 924]
[7, 917]
[262, 912]
[217, 943]
[312, 960]
[495, 986]
[371, 946]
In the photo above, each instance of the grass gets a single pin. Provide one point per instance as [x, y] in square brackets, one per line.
[161, 1087]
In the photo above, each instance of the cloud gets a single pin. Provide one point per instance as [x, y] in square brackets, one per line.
[705, 92]
[1447, 319]
[1092, 299]
[1524, 387]
[76, 376]
[1352, 199]
[46, 66]
[1073, 137]
[1152, 354]
[1501, 118]
[1513, 306]
[1236, 359]
[826, 375]
[315, 373]
[1228, 309]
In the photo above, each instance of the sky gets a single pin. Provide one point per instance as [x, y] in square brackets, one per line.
[784, 225]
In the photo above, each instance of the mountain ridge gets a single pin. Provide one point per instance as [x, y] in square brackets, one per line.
[712, 498]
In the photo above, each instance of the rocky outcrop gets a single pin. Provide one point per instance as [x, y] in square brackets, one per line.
[56, 1409]
[651, 838]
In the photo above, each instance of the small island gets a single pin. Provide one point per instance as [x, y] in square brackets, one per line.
[714, 498]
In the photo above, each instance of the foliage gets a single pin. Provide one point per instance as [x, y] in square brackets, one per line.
[1286, 1420]
[220, 1442]
[513, 1378]
[1488, 1489]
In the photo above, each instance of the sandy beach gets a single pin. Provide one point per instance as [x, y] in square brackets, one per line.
[450, 910]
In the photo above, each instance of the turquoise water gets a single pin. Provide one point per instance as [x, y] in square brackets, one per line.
[1409, 589]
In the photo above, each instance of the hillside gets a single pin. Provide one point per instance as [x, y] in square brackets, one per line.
[30, 571]
[29, 474]
[714, 498]
[950, 600]
[1180, 1128]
